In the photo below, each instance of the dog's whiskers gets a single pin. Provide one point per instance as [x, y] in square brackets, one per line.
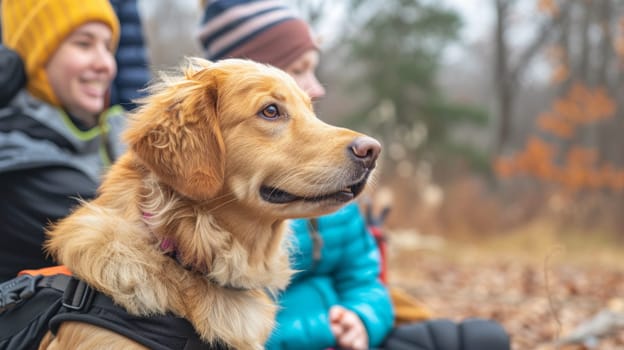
[222, 201]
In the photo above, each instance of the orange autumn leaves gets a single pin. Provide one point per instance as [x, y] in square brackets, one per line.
[575, 167]
[580, 107]
[579, 168]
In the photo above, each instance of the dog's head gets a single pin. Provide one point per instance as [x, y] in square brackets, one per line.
[240, 129]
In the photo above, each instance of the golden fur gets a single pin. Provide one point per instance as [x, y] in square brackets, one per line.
[200, 150]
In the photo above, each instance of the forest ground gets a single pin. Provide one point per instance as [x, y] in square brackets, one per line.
[538, 283]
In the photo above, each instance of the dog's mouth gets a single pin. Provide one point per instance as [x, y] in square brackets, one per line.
[277, 196]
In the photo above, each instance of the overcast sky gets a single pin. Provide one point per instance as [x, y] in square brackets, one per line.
[477, 15]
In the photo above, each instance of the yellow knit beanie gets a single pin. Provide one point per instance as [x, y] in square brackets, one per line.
[36, 28]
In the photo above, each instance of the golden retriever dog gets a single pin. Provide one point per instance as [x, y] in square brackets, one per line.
[219, 156]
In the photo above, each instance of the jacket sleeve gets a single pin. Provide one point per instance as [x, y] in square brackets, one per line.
[132, 63]
[357, 280]
[29, 201]
[302, 322]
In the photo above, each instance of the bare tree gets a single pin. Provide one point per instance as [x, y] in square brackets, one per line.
[509, 70]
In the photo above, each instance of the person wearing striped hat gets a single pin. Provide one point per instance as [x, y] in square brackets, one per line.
[265, 31]
[57, 134]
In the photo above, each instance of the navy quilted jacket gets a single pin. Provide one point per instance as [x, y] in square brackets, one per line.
[132, 67]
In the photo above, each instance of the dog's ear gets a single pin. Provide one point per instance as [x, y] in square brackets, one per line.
[176, 133]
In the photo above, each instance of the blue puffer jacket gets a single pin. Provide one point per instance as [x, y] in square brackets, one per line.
[132, 70]
[345, 273]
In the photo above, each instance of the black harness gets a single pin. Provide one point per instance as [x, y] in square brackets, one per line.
[32, 305]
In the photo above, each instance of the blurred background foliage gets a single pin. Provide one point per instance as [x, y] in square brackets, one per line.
[397, 54]
[482, 133]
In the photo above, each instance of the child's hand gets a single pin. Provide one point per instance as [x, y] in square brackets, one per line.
[348, 329]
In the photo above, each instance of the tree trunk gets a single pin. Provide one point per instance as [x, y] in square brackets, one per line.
[503, 80]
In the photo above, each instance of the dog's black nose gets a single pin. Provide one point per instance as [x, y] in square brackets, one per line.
[366, 150]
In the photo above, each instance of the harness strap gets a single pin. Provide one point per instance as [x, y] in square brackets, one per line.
[77, 301]
[76, 294]
[83, 304]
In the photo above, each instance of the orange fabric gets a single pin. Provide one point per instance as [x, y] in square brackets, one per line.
[47, 271]
[407, 308]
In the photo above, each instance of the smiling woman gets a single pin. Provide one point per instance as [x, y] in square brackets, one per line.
[81, 70]
[56, 134]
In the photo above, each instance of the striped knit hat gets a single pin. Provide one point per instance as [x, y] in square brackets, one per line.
[36, 28]
[265, 31]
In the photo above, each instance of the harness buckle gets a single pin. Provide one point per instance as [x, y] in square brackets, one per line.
[16, 290]
[77, 295]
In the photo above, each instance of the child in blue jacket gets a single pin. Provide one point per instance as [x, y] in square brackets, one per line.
[338, 263]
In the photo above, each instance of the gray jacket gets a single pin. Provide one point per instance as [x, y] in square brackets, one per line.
[47, 164]
[34, 134]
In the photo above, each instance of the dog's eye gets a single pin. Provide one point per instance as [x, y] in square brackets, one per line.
[270, 112]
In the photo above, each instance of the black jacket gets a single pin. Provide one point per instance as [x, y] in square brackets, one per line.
[29, 200]
[46, 165]
[12, 75]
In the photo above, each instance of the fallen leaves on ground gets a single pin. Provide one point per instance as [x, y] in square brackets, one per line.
[537, 302]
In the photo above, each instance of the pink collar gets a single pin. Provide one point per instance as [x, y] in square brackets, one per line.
[167, 245]
[169, 248]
